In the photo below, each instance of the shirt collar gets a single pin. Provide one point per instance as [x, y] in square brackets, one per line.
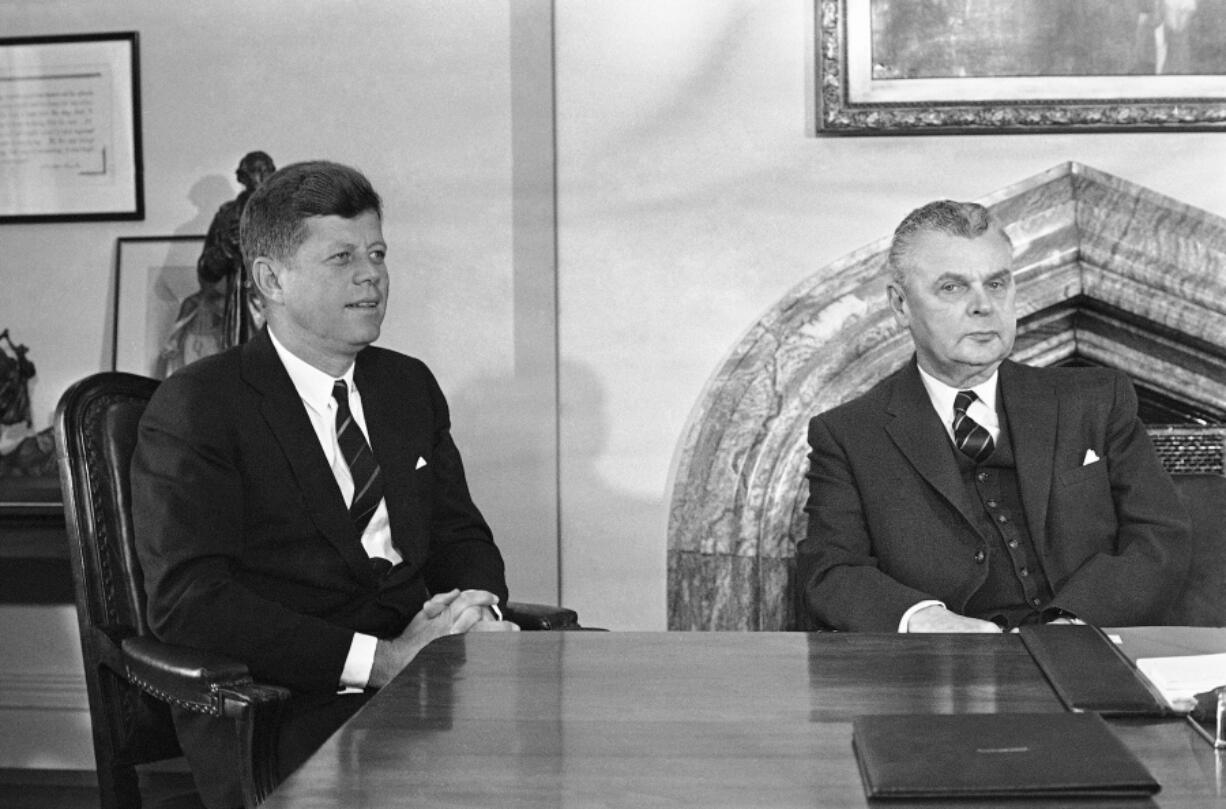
[943, 395]
[312, 384]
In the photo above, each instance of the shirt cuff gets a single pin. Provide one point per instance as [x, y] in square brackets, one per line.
[360, 661]
[905, 623]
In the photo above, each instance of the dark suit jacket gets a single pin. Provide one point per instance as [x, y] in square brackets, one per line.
[245, 541]
[891, 523]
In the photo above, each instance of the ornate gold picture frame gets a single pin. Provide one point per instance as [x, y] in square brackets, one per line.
[949, 66]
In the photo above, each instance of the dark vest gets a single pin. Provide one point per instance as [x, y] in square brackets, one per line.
[1016, 590]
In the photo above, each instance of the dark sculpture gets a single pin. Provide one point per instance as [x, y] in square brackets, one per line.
[32, 454]
[224, 312]
[15, 374]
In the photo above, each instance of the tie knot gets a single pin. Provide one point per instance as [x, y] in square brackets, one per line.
[340, 392]
[961, 402]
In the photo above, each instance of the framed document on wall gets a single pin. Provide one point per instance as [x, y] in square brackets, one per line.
[70, 143]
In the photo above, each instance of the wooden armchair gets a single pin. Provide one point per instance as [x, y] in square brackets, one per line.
[131, 677]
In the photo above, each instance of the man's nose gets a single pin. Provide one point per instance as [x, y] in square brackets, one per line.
[368, 272]
[981, 301]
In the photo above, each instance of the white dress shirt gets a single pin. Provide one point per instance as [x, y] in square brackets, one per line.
[982, 410]
[315, 389]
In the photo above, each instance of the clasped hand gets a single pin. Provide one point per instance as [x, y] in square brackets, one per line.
[450, 613]
[939, 619]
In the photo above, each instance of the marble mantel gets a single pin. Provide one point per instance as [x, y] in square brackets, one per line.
[1107, 271]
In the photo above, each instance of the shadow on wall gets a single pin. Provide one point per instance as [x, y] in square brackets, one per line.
[604, 522]
[509, 435]
[505, 429]
[206, 194]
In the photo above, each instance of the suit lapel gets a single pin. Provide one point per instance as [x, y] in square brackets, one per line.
[285, 416]
[380, 411]
[919, 435]
[386, 412]
[1031, 408]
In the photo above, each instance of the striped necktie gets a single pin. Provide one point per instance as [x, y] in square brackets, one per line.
[969, 435]
[367, 484]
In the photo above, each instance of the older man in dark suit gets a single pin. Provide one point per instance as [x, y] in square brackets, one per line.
[298, 501]
[968, 493]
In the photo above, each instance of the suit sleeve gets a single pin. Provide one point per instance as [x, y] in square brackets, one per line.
[844, 586]
[187, 509]
[462, 553]
[1130, 583]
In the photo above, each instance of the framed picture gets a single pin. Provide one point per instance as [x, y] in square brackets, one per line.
[994, 66]
[164, 317]
[70, 146]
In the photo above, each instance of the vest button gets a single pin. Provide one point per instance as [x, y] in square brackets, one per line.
[992, 504]
[1013, 543]
[1002, 518]
[981, 477]
[1036, 601]
[1023, 573]
[980, 556]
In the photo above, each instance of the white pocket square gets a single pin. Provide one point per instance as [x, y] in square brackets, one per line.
[1091, 457]
[420, 462]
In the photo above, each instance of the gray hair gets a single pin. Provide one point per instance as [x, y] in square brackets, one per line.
[965, 219]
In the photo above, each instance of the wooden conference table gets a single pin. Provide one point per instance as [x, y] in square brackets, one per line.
[611, 719]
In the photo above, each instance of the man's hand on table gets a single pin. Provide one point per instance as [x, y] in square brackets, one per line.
[939, 619]
[451, 613]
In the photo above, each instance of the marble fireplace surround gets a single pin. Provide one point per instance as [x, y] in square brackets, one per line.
[1106, 270]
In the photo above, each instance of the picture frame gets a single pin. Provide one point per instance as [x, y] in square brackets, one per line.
[163, 317]
[70, 128]
[900, 68]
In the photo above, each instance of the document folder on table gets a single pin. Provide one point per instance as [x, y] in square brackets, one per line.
[1089, 673]
[915, 756]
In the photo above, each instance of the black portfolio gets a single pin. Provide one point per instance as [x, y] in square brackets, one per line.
[995, 755]
[1089, 673]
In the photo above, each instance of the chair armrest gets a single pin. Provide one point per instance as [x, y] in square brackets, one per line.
[199, 681]
[540, 616]
[219, 686]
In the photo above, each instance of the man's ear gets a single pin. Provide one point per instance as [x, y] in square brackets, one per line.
[266, 277]
[897, 298]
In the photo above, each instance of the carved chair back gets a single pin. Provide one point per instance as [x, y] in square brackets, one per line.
[95, 431]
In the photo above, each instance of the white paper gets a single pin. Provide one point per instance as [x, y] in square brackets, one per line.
[1181, 678]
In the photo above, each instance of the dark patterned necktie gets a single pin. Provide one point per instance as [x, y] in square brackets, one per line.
[969, 435]
[367, 484]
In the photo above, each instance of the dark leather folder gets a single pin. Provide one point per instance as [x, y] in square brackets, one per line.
[1089, 673]
[1060, 755]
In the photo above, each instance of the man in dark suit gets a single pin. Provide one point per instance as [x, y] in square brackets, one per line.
[298, 501]
[968, 493]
